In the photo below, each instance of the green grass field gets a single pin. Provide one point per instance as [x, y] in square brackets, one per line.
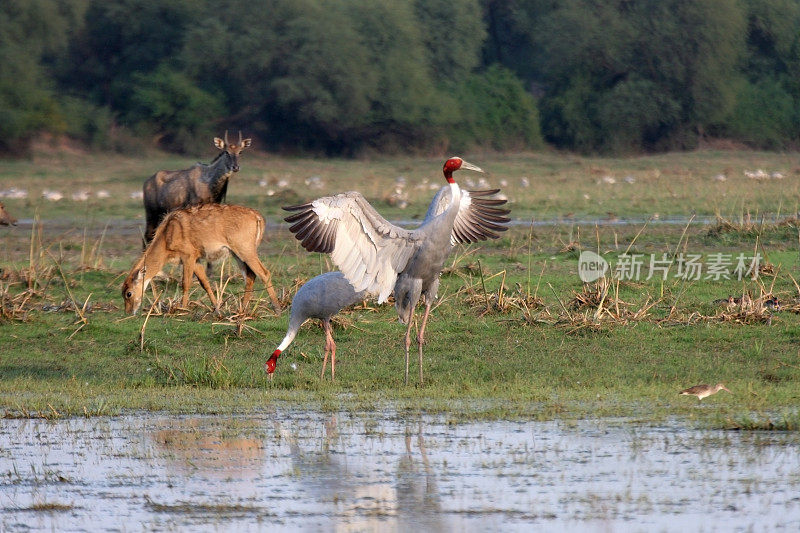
[515, 333]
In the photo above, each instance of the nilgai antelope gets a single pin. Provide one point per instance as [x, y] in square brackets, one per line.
[207, 231]
[381, 258]
[320, 297]
[5, 218]
[201, 184]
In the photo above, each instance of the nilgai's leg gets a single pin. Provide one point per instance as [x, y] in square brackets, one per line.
[200, 272]
[256, 266]
[421, 335]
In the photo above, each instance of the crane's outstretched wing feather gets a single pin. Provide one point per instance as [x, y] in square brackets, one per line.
[369, 250]
[478, 217]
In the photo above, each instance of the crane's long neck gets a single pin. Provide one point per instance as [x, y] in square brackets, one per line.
[455, 190]
[287, 340]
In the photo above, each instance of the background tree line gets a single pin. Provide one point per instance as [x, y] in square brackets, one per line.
[344, 76]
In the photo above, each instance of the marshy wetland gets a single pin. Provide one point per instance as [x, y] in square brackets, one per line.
[299, 469]
[547, 400]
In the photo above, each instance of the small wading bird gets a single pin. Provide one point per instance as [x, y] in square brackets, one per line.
[703, 391]
[320, 297]
[378, 257]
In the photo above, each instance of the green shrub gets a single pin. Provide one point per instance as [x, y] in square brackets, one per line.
[169, 104]
[765, 115]
[495, 110]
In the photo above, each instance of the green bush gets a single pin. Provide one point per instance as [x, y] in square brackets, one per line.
[87, 122]
[636, 113]
[567, 117]
[765, 116]
[173, 108]
[496, 111]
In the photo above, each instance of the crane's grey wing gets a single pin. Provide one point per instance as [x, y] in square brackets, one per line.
[478, 216]
[369, 250]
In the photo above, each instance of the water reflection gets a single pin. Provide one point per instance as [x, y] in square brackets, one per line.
[418, 498]
[361, 497]
[192, 445]
[292, 469]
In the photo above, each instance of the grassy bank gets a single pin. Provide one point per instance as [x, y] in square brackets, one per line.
[516, 333]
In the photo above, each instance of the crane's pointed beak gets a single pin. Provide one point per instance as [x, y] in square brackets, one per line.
[469, 166]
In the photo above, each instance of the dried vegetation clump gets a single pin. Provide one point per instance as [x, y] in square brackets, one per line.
[598, 307]
[601, 298]
[745, 309]
[746, 225]
[469, 269]
[748, 309]
[502, 301]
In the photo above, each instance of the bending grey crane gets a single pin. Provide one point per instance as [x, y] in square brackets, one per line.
[320, 297]
[378, 257]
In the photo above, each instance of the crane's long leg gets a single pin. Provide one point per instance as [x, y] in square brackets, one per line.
[330, 347]
[325, 358]
[421, 335]
[408, 338]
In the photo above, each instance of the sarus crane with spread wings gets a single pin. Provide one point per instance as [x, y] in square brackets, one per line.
[379, 257]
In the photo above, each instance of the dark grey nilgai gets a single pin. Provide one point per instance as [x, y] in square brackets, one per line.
[379, 257]
[320, 297]
[167, 190]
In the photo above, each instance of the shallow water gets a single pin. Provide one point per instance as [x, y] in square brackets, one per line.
[305, 470]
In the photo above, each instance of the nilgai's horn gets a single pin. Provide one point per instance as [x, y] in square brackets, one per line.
[240, 137]
[226, 138]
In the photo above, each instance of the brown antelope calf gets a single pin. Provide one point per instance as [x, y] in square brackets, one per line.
[207, 231]
[5, 218]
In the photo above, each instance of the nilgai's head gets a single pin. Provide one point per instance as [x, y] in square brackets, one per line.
[132, 290]
[232, 150]
[720, 387]
[456, 163]
[5, 218]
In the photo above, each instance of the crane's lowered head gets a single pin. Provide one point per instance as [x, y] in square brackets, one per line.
[271, 363]
[456, 163]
